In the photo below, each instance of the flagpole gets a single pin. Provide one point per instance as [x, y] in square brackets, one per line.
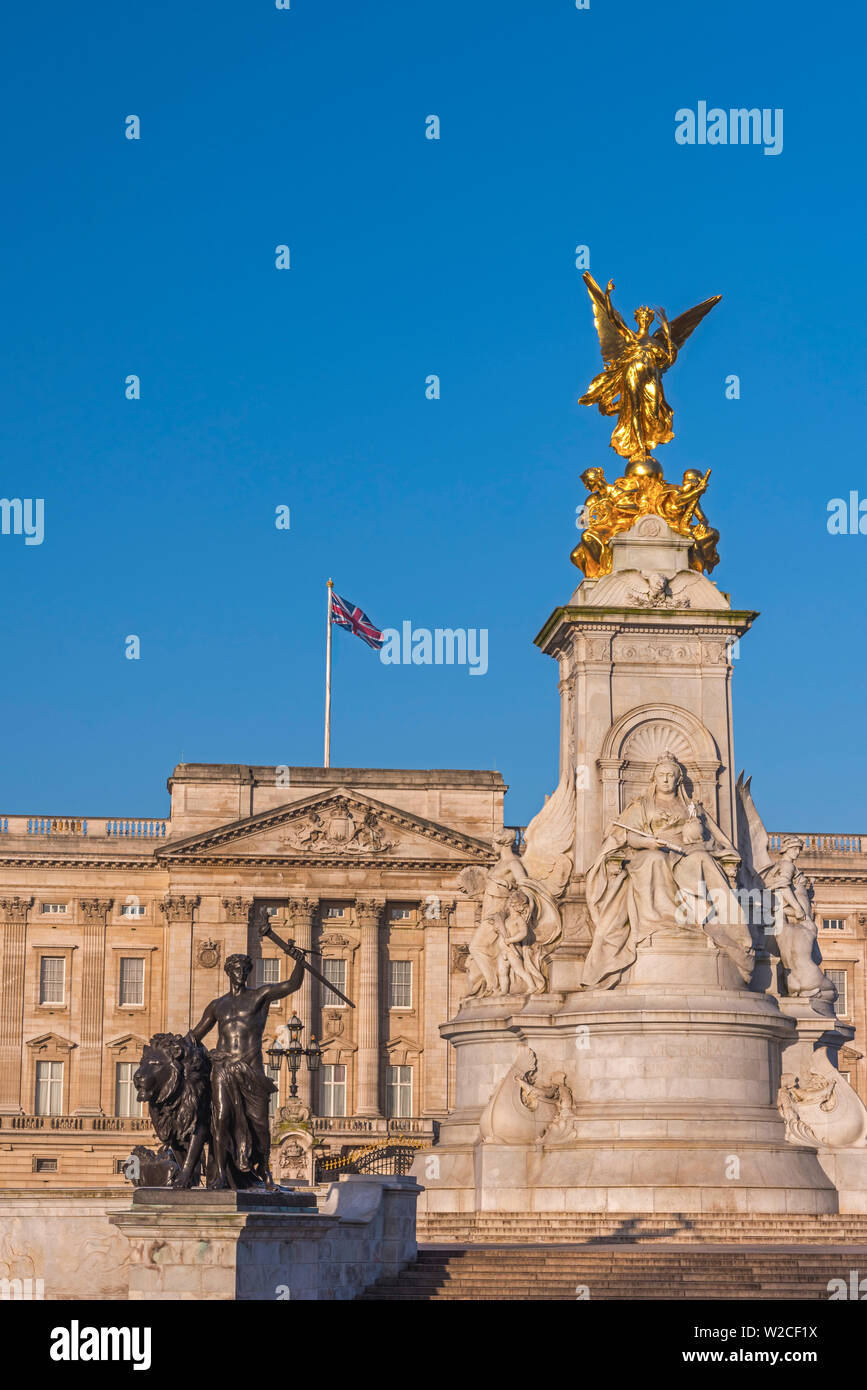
[327, 759]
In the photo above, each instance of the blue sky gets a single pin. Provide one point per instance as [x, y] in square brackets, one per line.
[306, 387]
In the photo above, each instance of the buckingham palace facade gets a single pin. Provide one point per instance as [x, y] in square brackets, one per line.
[114, 929]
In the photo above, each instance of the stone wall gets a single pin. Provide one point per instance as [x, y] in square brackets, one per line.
[210, 1245]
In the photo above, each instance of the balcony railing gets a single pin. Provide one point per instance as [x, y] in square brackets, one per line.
[815, 843]
[129, 1124]
[352, 1126]
[89, 827]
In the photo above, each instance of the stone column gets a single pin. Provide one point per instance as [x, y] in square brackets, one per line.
[369, 914]
[436, 920]
[93, 912]
[178, 911]
[300, 917]
[13, 914]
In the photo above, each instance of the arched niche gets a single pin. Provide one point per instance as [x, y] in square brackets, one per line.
[638, 739]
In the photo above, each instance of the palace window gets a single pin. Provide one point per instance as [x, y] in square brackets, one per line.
[45, 1165]
[332, 912]
[49, 1088]
[399, 914]
[267, 971]
[52, 979]
[335, 973]
[833, 923]
[400, 984]
[132, 910]
[273, 1074]
[131, 992]
[53, 909]
[398, 1092]
[839, 979]
[332, 1090]
[126, 1102]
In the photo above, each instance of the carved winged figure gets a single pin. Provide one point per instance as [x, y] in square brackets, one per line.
[630, 386]
[520, 917]
[793, 927]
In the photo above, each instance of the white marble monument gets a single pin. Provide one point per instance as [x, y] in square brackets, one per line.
[646, 1026]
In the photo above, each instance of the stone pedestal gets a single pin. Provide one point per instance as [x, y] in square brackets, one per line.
[640, 674]
[660, 1094]
[828, 1110]
[269, 1245]
[675, 1077]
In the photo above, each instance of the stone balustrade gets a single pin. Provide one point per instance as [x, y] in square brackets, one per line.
[351, 1126]
[89, 827]
[132, 1124]
[818, 843]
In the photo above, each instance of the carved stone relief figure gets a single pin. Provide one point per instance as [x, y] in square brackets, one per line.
[518, 1111]
[520, 918]
[526, 1110]
[795, 932]
[661, 867]
[821, 1108]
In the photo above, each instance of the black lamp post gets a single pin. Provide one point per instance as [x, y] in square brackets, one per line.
[294, 1052]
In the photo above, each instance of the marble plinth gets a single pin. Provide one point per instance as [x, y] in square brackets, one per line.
[246, 1246]
[675, 1078]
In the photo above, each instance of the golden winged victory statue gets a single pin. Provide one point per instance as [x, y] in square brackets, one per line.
[630, 387]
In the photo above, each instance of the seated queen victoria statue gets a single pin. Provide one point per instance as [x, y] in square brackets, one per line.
[662, 868]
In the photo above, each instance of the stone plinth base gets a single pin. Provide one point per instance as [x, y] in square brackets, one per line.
[259, 1246]
[65, 1239]
[674, 1078]
[331, 1242]
[847, 1170]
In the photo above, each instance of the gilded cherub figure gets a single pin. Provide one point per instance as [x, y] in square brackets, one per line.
[612, 508]
[630, 386]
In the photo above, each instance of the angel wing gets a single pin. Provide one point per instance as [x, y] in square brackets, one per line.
[613, 332]
[752, 835]
[687, 322]
[549, 837]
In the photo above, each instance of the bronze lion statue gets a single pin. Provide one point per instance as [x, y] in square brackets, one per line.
[173, 1077]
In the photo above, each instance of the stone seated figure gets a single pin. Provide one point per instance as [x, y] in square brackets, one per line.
[664, 866]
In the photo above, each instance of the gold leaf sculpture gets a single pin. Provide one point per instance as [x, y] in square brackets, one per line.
[630, 387]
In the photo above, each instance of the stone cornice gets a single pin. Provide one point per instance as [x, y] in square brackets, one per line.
[699, 621]
[68, 861]
[330, 861]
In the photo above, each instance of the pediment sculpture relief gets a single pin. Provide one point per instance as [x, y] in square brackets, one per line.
[340, 826]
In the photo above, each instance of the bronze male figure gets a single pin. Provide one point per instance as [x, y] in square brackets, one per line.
[240, 1090]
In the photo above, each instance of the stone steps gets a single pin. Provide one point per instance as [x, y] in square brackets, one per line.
[728, 1229]
[547, 1272]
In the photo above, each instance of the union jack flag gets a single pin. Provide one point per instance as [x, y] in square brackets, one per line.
[345, 614]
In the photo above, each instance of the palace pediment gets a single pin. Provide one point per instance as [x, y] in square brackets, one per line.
[337, 826]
